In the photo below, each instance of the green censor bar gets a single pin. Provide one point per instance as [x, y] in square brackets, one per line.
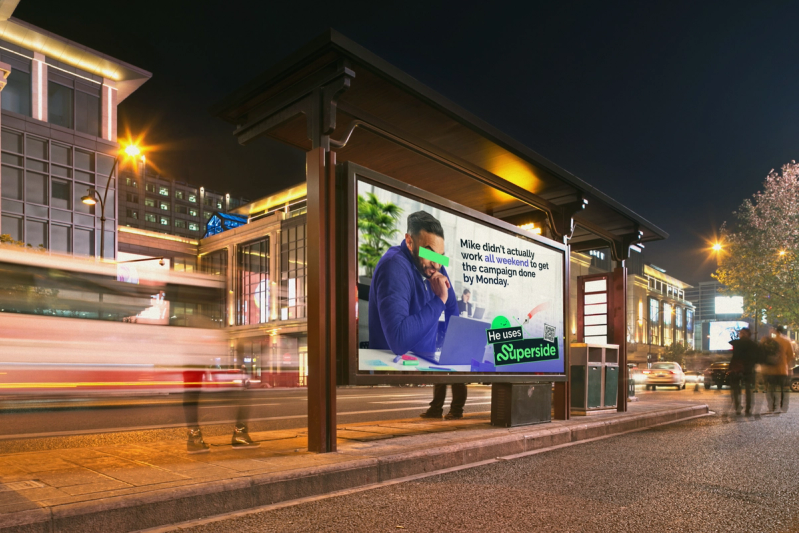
[430, 255]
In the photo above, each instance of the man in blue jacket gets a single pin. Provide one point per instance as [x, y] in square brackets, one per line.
[406, 299]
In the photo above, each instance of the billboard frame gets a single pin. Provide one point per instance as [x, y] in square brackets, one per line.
[347, 176]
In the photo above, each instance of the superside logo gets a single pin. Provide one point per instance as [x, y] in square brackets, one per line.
[524, 351]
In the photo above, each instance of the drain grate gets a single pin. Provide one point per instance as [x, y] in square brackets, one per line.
[20, 485]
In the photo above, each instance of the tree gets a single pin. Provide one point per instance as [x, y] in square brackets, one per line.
[377, 222]
[675, 353]
[760, 258]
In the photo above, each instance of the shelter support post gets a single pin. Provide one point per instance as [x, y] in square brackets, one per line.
[322, 245]
[618, 322]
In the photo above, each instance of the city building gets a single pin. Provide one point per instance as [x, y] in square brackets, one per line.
[153, 202]
[59, 139]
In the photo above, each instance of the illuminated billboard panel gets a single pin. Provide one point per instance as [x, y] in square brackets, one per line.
[721, 333]
[448, 293]
[729, 305]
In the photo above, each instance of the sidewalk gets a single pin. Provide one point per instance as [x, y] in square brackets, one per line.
[130, 487]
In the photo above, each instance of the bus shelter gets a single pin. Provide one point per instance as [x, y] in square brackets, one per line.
[366, 125]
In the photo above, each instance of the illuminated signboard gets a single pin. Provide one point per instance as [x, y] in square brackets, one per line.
[729, 305]
[721, 333]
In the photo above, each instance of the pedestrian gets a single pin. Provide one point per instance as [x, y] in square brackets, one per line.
[745, 355]
[456, 405]
[777, 354]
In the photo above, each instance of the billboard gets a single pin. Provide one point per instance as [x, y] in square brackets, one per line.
[729, 305]
[449, 293]
[721, 333]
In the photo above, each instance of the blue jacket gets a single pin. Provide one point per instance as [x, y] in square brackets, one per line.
[403, 309]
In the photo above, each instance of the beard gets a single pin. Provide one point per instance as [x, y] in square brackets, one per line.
[418, 262]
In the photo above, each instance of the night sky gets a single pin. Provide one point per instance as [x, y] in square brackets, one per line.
[678, 111]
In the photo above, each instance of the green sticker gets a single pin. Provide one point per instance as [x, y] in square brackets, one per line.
[500, 322]
[430, 255]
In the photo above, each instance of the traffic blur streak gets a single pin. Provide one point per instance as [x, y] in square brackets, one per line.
[75, 326]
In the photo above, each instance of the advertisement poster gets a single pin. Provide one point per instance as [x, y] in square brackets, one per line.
[721, 333]
[448, 294]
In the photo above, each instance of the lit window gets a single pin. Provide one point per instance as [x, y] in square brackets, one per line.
[193, 198]
[163, 191]
[164, 221]
[164, 206]
[149, 202]
[149, 217]
[193, 212]
[193, 226]
[219, 204]
[131, 183]
[180, 223]
[149, 187]
[132, 213]
[179, 195]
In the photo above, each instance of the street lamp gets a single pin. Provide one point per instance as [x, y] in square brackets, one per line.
[92, 196]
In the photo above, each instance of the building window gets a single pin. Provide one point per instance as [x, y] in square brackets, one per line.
[292, 272]
[163, 191]
[193, 212]
[60, 194]
[654, 322]
[17, 93]
[219, 204]
[208, 201]
[131, 183]
[207, 215]
[193, 226]
[182, 264]
[132, 213]
[149, 202]
[87, 113]
[132, 198]
[182, 209]
[668, 321]
[215, 263]
[192, 198]
[180, 223]
[689, 328]
[149, 217]
[253, 286]
[149, 187]
[164, 206]
[164, 221]
[179, 195]
[60, 101]
[679, 338]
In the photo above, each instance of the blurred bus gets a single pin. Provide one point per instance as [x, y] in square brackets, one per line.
[78, 326]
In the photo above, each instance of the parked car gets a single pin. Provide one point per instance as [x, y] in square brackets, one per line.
[795, 379]
[717, 374]
[664, 374]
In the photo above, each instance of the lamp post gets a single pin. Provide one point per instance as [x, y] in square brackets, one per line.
[92, 196]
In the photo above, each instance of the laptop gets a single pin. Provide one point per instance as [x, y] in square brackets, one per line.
[479, 312]
[465, 340]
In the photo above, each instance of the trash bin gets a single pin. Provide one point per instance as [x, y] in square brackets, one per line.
[594, 377]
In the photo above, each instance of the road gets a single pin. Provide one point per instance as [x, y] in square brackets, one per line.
[717, 473]
[43, 424]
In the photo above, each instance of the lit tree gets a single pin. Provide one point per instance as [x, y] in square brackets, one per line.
[760, 258]
[377, 222]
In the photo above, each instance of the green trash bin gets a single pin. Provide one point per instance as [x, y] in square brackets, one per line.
[594, 377]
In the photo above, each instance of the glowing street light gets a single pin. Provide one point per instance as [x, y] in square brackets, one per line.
[782, 252]
[92, 196]
[717, 247]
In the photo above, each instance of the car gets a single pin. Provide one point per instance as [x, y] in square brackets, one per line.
[795, 379]
[717, 374]
[635, 374]
[664, 374]
[692, 376]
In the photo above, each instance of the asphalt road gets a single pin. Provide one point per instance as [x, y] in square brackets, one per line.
[42, 424]
[717, 473]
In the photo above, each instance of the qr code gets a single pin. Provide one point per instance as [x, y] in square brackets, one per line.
[549, 333]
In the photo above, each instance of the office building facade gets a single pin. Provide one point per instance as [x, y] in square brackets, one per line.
[59, 139]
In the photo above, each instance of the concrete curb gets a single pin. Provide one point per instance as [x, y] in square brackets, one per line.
[180, 504]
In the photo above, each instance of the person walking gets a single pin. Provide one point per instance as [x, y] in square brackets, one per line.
[456, 405]
[745, 355]
[778, 353]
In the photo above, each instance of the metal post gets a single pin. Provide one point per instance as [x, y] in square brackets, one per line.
[320, 168]
[618, 286]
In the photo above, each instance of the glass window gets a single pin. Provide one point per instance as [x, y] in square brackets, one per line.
[61, 154]
[84, 160]
[12, 142]
[254, 287]
[84, 242]
[164, 221]
[59, 105]
[179, 195]
[192, 198]
[78, 192]
[193, 212]
[61, 171]
[180, 223]
[61, 238]
[214, 263]
[219, 204]
[668, 315]
[149, 187]
[131, 183]
[193, 226]
[132, 213]
[60, 194]
[181, 209]
[36, 188]
[163, 191]
[149, 202]
[208, 201]
[17, 93]
[104, 164]
[183, 264]
[654, 321]
[207, 215]
[11, 184]
[149, 217]
[35, 147]
[11, 226]
[36, 233]
[164, 206]
[132, 198]
[292, 273]
[87, 113]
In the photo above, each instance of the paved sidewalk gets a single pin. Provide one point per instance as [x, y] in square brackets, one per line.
[135, 486]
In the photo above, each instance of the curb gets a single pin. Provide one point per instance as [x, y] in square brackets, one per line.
[181, 504]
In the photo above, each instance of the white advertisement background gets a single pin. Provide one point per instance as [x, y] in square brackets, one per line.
[514, 301]
[721, 333]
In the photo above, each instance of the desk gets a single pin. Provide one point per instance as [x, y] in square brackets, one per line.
[383, 361]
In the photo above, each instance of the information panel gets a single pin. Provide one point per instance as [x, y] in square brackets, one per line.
[451, 294]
